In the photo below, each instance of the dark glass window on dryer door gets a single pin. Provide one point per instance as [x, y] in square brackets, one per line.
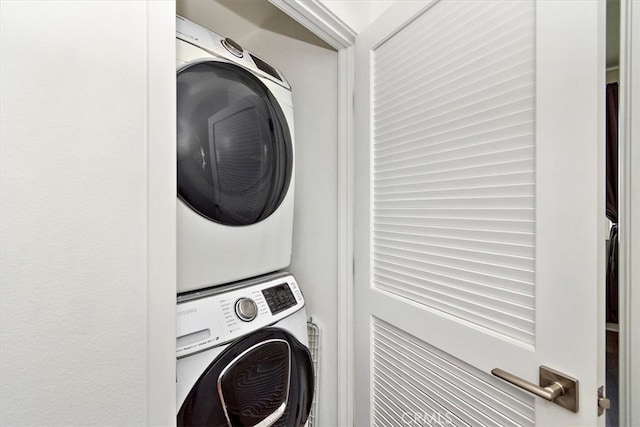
[234, 149]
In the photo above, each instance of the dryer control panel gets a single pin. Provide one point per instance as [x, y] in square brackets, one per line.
[217, 316]
[222, 47]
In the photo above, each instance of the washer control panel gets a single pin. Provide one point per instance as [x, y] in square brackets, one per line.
[279, 298]
[219, 315]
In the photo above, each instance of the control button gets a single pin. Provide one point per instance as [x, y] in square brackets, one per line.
[246, 309]
[233, 47]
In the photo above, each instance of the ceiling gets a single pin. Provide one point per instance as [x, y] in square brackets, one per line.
[242, 20]
[248, 15]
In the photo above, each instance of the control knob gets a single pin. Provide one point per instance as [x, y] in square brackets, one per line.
[246, 309]
[233, 47]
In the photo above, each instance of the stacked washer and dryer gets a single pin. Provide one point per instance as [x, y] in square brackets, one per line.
[242, 355]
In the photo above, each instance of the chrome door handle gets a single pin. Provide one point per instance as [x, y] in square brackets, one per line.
[554, 386]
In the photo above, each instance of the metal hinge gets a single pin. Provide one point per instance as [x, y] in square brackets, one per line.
[603, 402]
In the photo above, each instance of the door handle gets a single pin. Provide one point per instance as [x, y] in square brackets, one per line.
[554, 386]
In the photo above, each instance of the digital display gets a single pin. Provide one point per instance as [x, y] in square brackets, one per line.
[279, 298]
[265, 67]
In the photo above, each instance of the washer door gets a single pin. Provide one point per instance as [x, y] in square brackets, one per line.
[265, 379]
[235, 155]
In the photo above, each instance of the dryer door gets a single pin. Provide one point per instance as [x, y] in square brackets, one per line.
[265, 379]
[234, 148]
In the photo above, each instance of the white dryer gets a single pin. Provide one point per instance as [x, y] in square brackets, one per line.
[235, 154]
[242, 355]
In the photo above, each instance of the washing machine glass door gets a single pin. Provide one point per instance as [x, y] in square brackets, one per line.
[265, 379]
[234, 148]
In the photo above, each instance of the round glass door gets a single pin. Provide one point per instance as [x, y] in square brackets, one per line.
[234, 149]
[265, 378]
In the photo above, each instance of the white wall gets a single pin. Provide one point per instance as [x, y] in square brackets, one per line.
[357, 14]
[75, 215]
[312, 72]
[311, 68]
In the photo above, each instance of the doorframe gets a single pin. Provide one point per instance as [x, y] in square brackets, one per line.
[629, 200]
[325, 24]
[321, 21]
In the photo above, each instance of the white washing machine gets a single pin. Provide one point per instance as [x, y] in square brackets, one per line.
[235, 154]
[242, 355]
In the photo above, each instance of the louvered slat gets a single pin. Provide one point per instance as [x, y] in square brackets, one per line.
[412, 377]
[453, 173]
[453, 178]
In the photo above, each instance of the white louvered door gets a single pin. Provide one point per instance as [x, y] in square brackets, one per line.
[479, 204]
